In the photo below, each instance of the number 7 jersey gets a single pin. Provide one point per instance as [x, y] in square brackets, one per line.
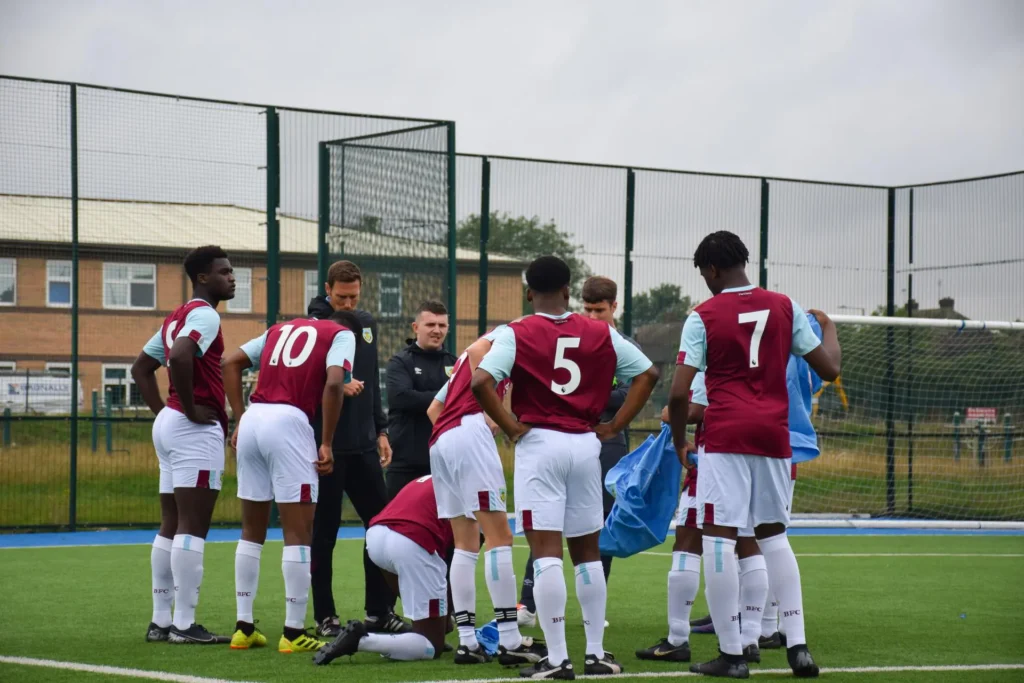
[742, 337]
[293, 358]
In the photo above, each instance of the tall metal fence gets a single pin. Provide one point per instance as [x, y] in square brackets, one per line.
[102, 191]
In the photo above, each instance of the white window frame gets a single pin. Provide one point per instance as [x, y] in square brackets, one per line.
[129, 382]
[127, 307]
[14, 266]
[51, 279]
[234, 305]
[380, 295]
[312, 283]
[57, 366]
[9, 365]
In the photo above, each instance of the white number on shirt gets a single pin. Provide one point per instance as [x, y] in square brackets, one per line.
[760, 320]
[286, 345]
[169, 337]
[562, 362]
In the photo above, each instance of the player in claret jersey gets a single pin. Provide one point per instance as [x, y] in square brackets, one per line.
[561, 365]
[188, 435]
[469, 483]
[409, 543]
[742, 336]
[302, 363]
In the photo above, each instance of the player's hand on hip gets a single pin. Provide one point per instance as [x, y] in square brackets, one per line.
[384, 450]
[203, 415]
[684, 455]
[519, 432]
[353, 388]
[604, 431]
[325, 459]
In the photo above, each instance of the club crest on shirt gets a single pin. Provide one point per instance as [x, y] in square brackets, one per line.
[367, 335]
[501, 494]
[448, 370]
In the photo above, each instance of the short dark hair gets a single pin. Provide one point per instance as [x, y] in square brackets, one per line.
[431, 306]
[721, 249]
[200, 260]
[349, 320]
[598, 288]
[547, 274]
[343, 271]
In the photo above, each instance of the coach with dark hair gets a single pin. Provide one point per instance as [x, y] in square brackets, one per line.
[414, 376]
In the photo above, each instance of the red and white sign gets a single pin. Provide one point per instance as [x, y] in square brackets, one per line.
[981, 415]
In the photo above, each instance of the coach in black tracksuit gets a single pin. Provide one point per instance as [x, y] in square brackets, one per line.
[414, 376]
[360, 448]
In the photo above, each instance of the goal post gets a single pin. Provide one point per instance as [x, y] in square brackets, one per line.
[923, 423]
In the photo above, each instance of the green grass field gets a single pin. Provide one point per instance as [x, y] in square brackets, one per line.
[887, 605]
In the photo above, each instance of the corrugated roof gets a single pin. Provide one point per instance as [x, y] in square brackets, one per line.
[154, 224]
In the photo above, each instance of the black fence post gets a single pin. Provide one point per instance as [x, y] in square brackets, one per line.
[627, 285]
[273, 226]
[762, 274]
[323, 213]
[73, 441]
[890, 354]
[485, 235]
[453, 268]
[908, 405]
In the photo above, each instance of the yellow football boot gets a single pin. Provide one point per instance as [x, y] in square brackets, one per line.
[303, 643]
[240, 641]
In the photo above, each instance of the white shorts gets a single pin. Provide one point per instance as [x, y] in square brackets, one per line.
[686, 515]
[558, 483]
[191, 455]
[422, 576]
[467, 471]
[743, 491]
[276, 455]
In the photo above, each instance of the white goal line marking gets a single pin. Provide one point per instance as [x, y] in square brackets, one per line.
[656, 553]
[112, 670]
[775, 672]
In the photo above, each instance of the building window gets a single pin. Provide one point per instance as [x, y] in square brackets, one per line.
[119, 387]
[313, 288]
[58, 284]
[242, 303]
[389, 303]
[8, 282]
[129, 285]
[8, 366]
[59, 369]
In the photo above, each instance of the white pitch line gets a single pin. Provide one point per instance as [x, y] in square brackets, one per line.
[112, 670]
[660, 554]
[775, 672]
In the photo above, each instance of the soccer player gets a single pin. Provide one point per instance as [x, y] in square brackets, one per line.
[469, 484]
[188, 435]
[408, 542]
[303, 363]
[742, 336]
[561, 366]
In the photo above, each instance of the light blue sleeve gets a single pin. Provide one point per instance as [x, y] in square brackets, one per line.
[699, 390]
[630, 361]
[490, 336]
[499, 360]
[693, 343]
[254, 349]
[206, 322]
[804, 339]
[342, 353]
[443, 394]
[154, 348]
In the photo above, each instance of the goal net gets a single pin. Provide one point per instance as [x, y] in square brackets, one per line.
[926, 421]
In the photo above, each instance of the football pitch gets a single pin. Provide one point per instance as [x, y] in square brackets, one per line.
[879, 608]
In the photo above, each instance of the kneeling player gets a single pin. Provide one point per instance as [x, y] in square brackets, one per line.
[302, 363]
[408, 542]
[469, 484]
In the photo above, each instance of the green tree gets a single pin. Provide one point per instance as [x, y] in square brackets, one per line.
[526, 238]
[665, 303]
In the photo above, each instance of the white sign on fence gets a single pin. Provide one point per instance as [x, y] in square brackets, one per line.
[37, 394]
[985, 415]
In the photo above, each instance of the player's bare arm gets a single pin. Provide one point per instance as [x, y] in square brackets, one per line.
[694, 415]
[679, 411]
[485, 389]
[233, 366]
[639, 391]
[180, 367]
[332, 400]
[434, 411]
[144, 373]
[827, 358]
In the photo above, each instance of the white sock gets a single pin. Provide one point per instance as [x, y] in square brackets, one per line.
[722, 590]
[753, 594]
[187, 567]
[163, 581]
[785, 573]
[549, 593]
[592, 592]
[500, 577]
[247, 578]
[683, 584]
[770, 616]
[402, 647]
[295, 567]
[463, 584]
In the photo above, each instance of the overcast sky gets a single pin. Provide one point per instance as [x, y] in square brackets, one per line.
[877, 92]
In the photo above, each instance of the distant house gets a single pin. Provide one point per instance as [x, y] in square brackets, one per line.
[131, 277]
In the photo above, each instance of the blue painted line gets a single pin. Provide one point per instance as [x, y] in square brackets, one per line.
[145, 536]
